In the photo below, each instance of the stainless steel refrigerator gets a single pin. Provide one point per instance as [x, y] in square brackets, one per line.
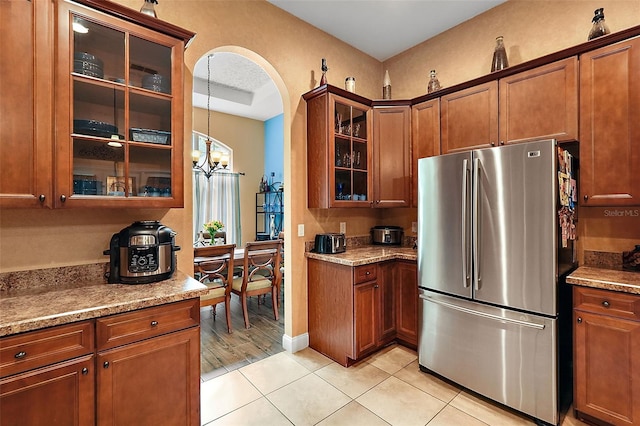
[491, 263]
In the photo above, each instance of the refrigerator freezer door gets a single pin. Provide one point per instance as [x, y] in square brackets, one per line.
[508, 356]
[444, 233]
[514, 232]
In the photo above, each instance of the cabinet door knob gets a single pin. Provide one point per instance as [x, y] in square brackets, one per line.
[42, 198]
[501, 142]
[606, 304]
[154, 323]
[63, 198]
[579, 320]
[106, 364]
[85, 371]
[368, 273]
[20, 355]
[493, 143]
[586, 197]
[376, 286]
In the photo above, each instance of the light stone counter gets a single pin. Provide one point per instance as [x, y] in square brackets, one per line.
[25, 308]
[364, 255]
[607, 279]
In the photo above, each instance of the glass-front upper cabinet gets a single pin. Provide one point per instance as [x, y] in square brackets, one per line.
[338, 148]
[119, 138]
[350, 151]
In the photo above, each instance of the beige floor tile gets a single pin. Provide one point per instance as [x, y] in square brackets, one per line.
[489, 412]
[274, 372]
[310, 359]
[355, 380]
[427, 382]
[399, 403]
[308, 400]
[353, 414]
[394, 359]
[259, 413]
[451, 416]
[224, 394]
[570, 419]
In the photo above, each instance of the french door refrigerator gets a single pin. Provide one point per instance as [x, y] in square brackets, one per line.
[491, 263]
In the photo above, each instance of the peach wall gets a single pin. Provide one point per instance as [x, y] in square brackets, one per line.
[531, 29]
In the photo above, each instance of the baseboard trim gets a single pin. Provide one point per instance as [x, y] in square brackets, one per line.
[295, 344]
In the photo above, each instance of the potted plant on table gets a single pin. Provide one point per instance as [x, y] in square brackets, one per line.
[212, 228]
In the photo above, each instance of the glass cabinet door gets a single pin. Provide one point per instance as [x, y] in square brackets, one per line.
[350, 151]
[121, 135]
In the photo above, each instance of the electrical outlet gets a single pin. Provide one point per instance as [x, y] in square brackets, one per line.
[414, 226]
[343, 227]
[301, 230]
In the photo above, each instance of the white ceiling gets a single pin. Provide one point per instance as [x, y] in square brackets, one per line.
[379, 28]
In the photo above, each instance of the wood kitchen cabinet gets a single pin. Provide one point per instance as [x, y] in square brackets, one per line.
[138, 367]
[110, 78]
[338, 148]
[469, 118]
[353, 310]
[148, 366]
[392, 155]
[51, 369]
[610, 125]
[119, 103]
[26, 104]
[606, 362]
[539, 103]
[406, 280]
[425, 138]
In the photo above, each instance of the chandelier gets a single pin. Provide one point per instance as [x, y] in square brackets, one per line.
[214, 160]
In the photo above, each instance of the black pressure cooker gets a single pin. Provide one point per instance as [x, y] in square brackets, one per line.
[142, 253]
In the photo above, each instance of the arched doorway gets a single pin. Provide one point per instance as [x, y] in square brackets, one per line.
[245, 67]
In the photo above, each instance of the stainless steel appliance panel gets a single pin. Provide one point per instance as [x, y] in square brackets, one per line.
[444, 197]
[514, 232]
[508, 356]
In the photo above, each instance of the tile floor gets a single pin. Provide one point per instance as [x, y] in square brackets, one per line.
[306, 388]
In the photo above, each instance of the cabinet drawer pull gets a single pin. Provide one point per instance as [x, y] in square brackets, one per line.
[606, 304]
[368, 273]
[586, 197]
[579, 320]
[20, 355]
[106, 364]
[85, 371]
[42, 198]
[154, 323]
[63, 198]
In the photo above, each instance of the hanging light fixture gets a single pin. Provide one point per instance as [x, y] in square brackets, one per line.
[213, 160]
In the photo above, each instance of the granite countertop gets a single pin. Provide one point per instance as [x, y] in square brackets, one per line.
[607, 279]
[31, 308]
[364, 255]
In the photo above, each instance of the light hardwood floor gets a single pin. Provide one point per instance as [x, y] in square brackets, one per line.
[222, 352]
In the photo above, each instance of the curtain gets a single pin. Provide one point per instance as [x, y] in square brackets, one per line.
[217, 198]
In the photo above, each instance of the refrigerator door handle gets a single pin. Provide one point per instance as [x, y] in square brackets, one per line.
[465, 227]
[474, 224]
[482, 314]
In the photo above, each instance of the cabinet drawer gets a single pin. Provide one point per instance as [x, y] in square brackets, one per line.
[129, 327]
[35, 349]
[364, 273]
[607, 302]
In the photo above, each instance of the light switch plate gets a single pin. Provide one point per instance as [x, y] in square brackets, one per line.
[343, 227]
[414, 226]
[301, 230]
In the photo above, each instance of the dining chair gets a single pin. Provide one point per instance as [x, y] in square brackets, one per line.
[260, 274]
[217, 274]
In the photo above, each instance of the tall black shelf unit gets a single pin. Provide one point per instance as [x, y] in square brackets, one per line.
[269, 208]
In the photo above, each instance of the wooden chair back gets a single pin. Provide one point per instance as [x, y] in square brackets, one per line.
[217, 274]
